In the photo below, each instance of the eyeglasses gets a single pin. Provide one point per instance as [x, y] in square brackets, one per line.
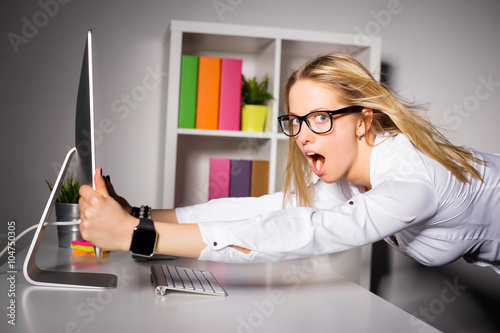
[319, 122]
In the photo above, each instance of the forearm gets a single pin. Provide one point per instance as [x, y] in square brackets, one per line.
[182, 240]
[164, 215]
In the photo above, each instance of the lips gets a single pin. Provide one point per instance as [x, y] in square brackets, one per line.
[317, 162]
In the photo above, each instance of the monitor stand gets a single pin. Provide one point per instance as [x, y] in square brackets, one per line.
[40, 277]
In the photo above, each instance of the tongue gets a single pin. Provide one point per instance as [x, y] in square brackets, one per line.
[318, 164]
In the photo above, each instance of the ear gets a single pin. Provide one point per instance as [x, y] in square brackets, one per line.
[365, 122]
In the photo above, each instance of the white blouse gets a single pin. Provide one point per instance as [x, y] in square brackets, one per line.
[415, 204]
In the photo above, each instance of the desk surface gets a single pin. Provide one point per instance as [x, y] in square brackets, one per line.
[293, 296]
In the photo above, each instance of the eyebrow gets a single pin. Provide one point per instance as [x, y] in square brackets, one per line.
[314, 110]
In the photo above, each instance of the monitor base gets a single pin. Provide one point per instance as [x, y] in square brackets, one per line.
[39, 277]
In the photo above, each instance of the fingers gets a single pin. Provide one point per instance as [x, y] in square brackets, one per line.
[86, 192]
[100, 184]
[109, 186]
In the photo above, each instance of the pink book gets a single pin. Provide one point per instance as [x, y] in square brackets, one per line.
[219, 177]
[230, 94]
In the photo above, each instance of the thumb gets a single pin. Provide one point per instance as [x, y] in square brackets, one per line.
[100, 184]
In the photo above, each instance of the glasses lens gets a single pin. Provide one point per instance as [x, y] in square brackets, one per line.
[320, 122]
[290, 125]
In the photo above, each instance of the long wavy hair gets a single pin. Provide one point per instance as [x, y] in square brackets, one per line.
[391, 116]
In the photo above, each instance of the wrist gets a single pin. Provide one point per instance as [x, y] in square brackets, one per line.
[144, 239]
[129, 226]
[141, 212]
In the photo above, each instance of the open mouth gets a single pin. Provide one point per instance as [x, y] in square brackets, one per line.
[317, 162]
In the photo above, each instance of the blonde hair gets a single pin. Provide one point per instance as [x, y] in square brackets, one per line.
[356, 86]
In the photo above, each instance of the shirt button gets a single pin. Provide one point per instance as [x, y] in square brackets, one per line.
[351, 202]
[215, 243]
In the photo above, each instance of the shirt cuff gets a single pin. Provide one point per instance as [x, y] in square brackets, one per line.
[218, 240]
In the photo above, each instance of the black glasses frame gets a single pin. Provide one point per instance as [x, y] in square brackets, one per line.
[349, 109]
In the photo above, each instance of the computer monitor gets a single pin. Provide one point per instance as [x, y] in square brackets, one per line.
[84, 119]
[85, 153]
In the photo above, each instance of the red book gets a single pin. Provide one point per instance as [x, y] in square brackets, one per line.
[230, 94]
[207, 104]
[219, 178]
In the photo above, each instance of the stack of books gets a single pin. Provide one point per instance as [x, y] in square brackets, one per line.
[210, 93]
[237, 178]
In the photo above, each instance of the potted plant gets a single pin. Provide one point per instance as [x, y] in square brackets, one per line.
[67, 210]
[254, 96]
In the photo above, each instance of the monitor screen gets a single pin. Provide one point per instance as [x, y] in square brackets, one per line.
[84, 121]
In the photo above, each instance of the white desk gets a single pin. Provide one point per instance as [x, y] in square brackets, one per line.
[299, 296]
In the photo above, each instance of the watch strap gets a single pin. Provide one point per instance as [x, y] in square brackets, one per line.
[146, 223]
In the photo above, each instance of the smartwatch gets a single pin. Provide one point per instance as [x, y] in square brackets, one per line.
[143, 240]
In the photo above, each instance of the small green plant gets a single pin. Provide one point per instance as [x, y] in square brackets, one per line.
[253, 92]
[69, 190]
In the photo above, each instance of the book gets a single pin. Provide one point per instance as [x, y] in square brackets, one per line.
[259, 178]
[188, 91]
[219, 178]
[207, 103]
[230, 94]
[239, 185]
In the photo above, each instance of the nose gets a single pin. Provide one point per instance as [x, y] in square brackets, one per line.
[305, 135]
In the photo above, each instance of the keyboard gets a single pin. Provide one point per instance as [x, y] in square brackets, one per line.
[176, 278]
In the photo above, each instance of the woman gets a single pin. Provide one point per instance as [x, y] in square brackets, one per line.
[384, 173]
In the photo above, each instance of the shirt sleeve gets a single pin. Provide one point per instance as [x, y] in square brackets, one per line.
[230, 209]
[303, 232]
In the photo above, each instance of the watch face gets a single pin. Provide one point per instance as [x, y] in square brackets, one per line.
[143, 242]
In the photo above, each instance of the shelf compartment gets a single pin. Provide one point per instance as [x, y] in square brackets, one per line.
[193, 155]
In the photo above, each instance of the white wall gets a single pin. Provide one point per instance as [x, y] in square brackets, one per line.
[440, 51]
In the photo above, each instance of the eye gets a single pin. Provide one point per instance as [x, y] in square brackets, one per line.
[295, 121]
[321, 118]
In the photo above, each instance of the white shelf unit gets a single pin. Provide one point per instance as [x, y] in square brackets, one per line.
[264, 50]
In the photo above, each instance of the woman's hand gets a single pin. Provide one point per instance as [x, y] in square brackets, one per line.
[104, 222]
[112, 193]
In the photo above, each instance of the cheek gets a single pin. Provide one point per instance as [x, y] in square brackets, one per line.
[343, 139]
[341, 149]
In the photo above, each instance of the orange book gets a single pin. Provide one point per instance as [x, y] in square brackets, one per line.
[207, 104]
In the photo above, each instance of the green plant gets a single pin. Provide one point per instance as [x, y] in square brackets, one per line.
[69, 190]
[253, 92]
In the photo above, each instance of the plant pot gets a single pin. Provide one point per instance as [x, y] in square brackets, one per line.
[253, 118]
[66, 212]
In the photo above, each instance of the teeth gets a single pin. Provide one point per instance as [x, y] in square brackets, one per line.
[310, 154]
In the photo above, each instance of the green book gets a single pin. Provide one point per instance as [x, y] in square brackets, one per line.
[187, 95]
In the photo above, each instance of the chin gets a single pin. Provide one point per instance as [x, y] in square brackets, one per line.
[328, 180]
